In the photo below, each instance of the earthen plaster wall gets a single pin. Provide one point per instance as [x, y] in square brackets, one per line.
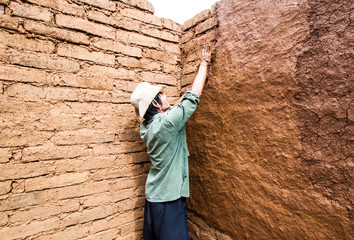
[72, 165]
[271, 141]
[203, 28]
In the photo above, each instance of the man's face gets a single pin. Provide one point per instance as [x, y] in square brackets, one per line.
[164, 103]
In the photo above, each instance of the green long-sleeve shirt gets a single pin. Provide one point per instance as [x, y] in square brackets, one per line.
[165, 139]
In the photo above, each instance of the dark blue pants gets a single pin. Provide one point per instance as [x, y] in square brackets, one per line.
[166, 220]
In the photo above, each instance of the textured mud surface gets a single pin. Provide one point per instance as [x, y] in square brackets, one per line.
[270, 142]
[324, 101]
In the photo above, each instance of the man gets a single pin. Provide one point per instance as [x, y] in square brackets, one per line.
[163, 131]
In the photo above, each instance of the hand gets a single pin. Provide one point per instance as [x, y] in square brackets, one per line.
[206, 53]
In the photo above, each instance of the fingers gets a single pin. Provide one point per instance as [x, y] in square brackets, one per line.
[206, 53]
[206, 48]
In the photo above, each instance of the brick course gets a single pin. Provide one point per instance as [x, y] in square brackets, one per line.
[32, 12]
[82, 53]
[23, 43]
[43, 61]
[57, 33]
[105, 4]
[85, 25]
[61, 6]
[142, 4]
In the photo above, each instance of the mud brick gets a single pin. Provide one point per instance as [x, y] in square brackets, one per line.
[30, 11]
[19, 137]
[52, 152]
[164, 35]
[44, 61]
[136, 38]
[79, 231]
[5, 154]
[58, 33]
[128, 62]
[62, 180]
[142, 4]
[129, 24]
[25, 230]
[123, 147]
[105, 4]
[206, 25]
[85, 25]
[115, 46]
[187, 36]
[171, 25]
[78, 81]
[102, 18]
[23, 74]
[84, 54]
[131, 227]
[105, 234]
[120, 73]
[161, 56]
[4, 219]
[87, 163]
[62, 6]
[171, 48]
[7, 21]
[45, 211]
[111, 173]
[130, 216]
[76, 191]
[150, 65]
[20, 41]
[141, 16]
[5, 187]
[171, 68]
[29, 92]
[89, 215]
[82, 136]
[159, 78]
[16, 171]
[196, 19]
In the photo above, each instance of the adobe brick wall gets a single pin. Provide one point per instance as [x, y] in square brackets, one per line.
[72, 165]
[270, 144]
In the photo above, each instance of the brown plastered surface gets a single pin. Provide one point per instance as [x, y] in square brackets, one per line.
[250, 174]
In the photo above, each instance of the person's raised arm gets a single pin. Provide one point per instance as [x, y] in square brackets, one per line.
[199, 81]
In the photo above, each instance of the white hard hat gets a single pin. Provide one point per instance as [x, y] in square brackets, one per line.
[142, 97]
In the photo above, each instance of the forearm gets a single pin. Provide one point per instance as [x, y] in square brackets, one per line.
[199, 81]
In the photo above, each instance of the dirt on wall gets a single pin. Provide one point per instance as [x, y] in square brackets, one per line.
[270, 142]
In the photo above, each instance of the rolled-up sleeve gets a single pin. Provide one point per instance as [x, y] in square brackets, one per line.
[179, 115]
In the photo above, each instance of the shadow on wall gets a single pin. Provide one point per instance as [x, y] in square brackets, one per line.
[135, 164]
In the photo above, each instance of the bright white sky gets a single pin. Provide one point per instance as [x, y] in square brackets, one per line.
[180, 10]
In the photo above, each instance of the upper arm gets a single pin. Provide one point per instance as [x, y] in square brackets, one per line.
[179, 115]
